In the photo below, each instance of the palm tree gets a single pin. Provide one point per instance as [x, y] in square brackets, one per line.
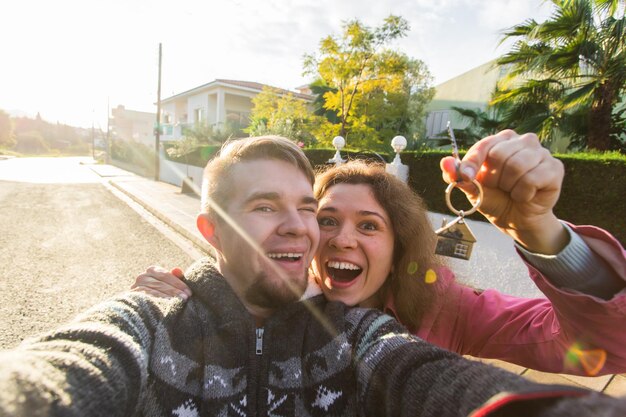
[482, 123]
[568, 71]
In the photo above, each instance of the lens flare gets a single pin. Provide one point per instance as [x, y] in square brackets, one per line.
[591, 360]
[412, 268]
[431, 277]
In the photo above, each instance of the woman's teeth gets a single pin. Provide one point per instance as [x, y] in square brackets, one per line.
[343, 271]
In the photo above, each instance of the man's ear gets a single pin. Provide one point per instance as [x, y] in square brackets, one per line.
[206, 226]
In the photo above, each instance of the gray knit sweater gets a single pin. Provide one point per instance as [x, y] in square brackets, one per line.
[140, 356]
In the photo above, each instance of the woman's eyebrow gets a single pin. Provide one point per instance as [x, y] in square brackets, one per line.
[372, 213]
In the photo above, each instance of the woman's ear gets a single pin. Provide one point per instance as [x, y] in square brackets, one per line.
[206, 226]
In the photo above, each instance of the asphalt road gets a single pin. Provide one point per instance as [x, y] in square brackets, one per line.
[66, 243]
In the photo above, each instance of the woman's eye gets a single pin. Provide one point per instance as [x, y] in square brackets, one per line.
[369, 226]
[326, 221]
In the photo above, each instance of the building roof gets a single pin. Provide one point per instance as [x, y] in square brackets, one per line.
[244, 85]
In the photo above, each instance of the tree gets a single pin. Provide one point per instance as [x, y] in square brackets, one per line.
[203, 133]
[7, 132]
[482, 123]
[183, 148]
[277, 113]
[368, 87]
[32, 142]
[569, 73]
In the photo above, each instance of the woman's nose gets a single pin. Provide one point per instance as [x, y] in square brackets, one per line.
[344, 239]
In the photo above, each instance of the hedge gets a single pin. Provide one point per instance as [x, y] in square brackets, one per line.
[593, 192]
[594, 188]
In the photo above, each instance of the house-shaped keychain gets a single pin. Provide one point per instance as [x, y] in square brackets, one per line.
[455, 241]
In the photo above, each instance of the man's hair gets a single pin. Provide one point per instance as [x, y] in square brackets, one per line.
[414, 238]
[217, 182]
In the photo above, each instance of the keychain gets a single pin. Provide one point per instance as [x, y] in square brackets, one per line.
[455, 239]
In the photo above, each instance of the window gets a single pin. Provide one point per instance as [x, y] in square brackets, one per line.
[198, 115]
[436, 123]
[167, 118]
[239, 118]
[460, 249]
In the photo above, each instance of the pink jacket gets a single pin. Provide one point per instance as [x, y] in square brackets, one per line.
[569, 332]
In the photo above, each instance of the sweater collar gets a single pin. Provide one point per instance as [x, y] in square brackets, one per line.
[212, 289]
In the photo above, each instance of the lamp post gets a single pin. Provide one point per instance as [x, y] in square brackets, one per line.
[339, 143]
[397, 168]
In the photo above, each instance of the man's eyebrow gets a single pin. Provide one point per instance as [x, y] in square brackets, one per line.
[262, 195]
[274, 196]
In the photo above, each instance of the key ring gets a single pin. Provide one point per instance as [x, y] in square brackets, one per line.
[475, 207]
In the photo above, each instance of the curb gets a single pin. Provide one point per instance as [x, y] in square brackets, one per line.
[202, 244]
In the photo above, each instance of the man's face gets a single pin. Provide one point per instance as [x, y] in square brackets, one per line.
[272, 202]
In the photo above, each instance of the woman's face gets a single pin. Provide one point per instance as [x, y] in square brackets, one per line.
[356, 245]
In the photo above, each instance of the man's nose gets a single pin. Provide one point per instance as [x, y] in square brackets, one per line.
[292, 224]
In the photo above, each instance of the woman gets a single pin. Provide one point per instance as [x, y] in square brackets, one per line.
[376, 250]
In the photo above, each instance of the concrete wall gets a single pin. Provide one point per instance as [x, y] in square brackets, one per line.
[174, 172]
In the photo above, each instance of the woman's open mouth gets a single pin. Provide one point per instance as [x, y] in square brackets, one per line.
[342, 272]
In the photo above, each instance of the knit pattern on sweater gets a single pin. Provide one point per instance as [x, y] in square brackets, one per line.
[140, 356]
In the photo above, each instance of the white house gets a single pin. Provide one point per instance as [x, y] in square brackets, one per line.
[132, 125]
[214, 103]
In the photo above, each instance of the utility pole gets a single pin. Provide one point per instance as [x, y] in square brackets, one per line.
[157, 144]
[108, 159]
[93, 141]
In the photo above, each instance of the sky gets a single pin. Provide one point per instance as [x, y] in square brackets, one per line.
[71, 60]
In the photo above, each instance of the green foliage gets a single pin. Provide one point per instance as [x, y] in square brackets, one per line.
[135, 154]
[55, 138]
[31, 142]
[7, 132]
[481, 124]
[593, 191]
[568, 74]
[580, 202]
[198, 157]
[182, 148]
[370, 92]
[276, 113]
[203, 133]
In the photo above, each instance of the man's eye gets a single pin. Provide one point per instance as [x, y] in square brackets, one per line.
[264, 209]
[309, 209]
[326, 221]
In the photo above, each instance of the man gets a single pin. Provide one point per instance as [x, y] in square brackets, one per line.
[245, 345]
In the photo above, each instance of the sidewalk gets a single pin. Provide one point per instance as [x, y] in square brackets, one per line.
[179, 212]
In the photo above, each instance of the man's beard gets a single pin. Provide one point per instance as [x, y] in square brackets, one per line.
[264, 294]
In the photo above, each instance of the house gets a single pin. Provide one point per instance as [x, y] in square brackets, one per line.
[471, 90]
[132, 125]
[455, 241]
[218, 103]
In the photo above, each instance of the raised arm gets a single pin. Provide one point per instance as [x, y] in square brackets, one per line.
[522, 183]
